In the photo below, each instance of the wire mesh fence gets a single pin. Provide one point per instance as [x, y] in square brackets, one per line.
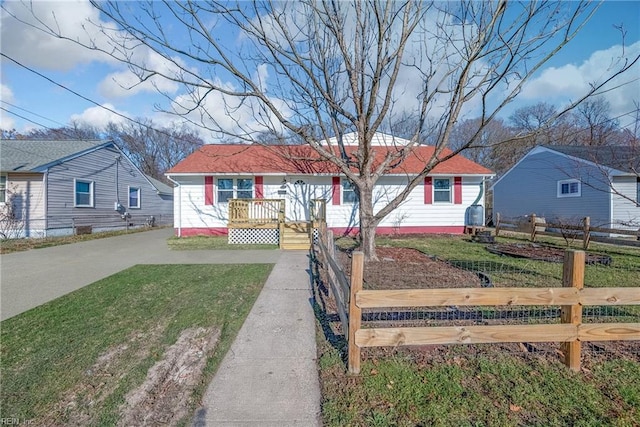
[431, 272]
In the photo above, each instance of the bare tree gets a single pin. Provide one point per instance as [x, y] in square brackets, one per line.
[154, 149]
[73, 131]
[312, 70]
[483, 151]
[594, 119]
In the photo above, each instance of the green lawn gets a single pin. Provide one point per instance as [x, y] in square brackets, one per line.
[209, 242]
[49, 354]
[8, 246]
[486, 385]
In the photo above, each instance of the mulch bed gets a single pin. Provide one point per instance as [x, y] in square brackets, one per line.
[405, 268]
[542, 253]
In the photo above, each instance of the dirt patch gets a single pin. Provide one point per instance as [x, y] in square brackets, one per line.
[77, 405]
[405, 268]
[542, 253]
[163, 397]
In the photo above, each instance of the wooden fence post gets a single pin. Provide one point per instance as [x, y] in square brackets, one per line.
[572, 277]
[586, 233]
[497, 224]
[355, 312]
[533, 227]
[331, 251]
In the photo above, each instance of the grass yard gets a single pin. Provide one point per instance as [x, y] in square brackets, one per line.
[489, 384]
[209, 242]
[8, 246]
[73, 360]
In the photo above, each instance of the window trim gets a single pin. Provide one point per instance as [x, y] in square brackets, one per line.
[437, 190]
[568, 182]
[3, 188]
[348, 188]
[139, 191]
[91, 193]
[234, 190]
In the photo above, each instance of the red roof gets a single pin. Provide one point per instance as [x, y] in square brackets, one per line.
[304, 160]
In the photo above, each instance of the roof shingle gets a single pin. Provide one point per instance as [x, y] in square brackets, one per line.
[304, 160]
[19, 155]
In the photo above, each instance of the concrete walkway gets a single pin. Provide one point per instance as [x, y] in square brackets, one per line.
[269, 376]
[29, 279]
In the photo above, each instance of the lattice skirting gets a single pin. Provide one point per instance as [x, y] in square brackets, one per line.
[316, 233]
[254, 236]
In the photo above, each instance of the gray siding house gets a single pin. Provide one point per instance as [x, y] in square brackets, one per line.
[567, 183]
[51, 188]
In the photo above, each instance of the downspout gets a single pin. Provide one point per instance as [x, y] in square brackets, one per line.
[45, 184]
[179, 204]
[117, 190]
[480, 193]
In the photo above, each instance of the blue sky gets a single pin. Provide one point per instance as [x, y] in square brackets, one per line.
[38, 100]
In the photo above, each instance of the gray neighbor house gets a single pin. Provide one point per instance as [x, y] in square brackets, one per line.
[54, 188]
[567, 183]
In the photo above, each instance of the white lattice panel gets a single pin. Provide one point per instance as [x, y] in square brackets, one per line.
[254, 236]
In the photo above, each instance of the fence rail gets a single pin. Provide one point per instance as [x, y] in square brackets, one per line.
[567, 325]
[338, 280]
[571, 332]
[584, 229]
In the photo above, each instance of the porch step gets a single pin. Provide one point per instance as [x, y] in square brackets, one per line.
[295, 236]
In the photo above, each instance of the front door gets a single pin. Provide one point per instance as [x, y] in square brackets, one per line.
[298, 199]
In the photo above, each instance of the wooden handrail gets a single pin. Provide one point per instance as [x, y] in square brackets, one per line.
[256, 210]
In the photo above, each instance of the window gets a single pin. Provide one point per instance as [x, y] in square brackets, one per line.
[3, 188]
[83, 194]
[134, 198]
[442, 190]
[638, 190]
[569, 188]
[348, 192]
[243, 189]
[225, 190]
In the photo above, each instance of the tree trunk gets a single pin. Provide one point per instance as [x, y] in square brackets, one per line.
[368, 224]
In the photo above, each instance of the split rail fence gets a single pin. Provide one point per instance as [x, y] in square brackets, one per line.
[535, 227]
[351, 299]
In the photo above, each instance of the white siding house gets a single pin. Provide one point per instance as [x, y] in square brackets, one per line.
[215, 174]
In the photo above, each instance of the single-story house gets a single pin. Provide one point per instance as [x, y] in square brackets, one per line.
[52, 188]
[567, 183]
[210, 181]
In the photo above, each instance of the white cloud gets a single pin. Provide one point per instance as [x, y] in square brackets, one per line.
[126, 83]
[571, 81]
[6, 121]
[24, 39]
[232, 114]
[99, 117]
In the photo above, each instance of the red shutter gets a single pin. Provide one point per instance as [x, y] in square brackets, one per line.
[457, 190]
[428, 190]
[208, 190]
[335, 193]
[259, 187]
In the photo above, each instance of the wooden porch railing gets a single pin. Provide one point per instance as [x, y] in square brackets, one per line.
[256, 212]
[318, 213]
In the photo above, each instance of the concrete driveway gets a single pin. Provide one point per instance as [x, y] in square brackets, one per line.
[29, 279]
